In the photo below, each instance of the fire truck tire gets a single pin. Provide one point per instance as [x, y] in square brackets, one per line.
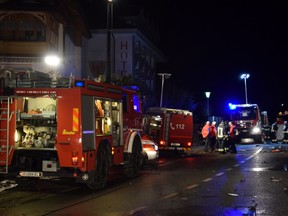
[134, 160]
[101, 172]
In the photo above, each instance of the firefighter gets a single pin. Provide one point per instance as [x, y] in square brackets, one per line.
[205, 132]
[279, 132]
[213, 136]
[274, 129]
[285, 131]
[222, 136]
[232, 137]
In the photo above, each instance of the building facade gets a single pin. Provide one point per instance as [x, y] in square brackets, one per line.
[29, 33]
[133, 60]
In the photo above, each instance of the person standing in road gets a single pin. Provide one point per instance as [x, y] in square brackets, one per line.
[213, 136]
[205, 134]
[222, 136]
[285, 132]
[274, 129]
[232, 137]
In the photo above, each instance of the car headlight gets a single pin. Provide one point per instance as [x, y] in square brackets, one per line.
[256, 130]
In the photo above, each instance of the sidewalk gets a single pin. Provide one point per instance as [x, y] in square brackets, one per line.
[197, 149]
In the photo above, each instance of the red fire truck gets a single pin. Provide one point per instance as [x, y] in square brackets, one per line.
[249, 122]
[172, 129]
[67, 128]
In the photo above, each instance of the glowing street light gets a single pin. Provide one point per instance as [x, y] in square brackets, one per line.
[245, 77]
[52, 60]
[164, 76]
[207, 94]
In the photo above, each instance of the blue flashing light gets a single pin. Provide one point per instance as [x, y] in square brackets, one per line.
[79, 83]
[136, 102]
[232, 106]
[134, 88]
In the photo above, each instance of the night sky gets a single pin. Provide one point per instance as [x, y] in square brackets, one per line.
[209, 44]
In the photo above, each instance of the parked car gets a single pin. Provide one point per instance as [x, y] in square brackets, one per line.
[150, 149]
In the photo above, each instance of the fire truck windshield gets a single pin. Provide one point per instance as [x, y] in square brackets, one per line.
[243, 113]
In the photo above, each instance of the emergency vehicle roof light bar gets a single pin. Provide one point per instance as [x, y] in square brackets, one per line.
[79, 83]
[232, 106]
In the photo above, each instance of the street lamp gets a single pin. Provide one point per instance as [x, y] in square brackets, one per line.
[245, 77]
[52, 61]
[164, 76]
[109, 27]
[207, 94]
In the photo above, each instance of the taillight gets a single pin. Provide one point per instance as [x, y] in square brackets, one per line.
[162, 142]
[189, 143]
[74, 158]
[147, 147]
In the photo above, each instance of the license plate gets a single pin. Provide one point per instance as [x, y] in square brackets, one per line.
[30, 174]
[175, 144]
[176, 148]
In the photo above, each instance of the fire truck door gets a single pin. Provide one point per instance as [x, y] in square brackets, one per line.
[88, 123]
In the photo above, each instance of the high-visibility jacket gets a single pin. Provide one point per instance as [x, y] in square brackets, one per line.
[232, 131]
[221, 130]
[205, 130]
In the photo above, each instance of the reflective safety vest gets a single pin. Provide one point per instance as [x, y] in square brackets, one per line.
[232, 131]
[205, 130]
[220, 132]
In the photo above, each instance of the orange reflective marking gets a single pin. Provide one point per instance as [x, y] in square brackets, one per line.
[75, 119]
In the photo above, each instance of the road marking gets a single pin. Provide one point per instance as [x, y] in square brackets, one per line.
[169, 195]
[207, 180]
[192, 186]
[219, 174]
[259, 150]
[248, 158]
[134, 211]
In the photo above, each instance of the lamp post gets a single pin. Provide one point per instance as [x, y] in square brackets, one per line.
[245, 77]
[163, 76]
[207, 94]
[109, 27]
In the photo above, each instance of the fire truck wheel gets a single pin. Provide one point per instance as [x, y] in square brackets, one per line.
[101, 172]
[133, 164]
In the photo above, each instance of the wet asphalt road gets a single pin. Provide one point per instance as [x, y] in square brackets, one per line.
[252, 182]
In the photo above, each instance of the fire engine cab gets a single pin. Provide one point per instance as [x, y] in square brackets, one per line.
[68, 128]
[171, 128]
[249, 121]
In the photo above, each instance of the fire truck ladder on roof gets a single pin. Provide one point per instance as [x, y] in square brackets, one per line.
[5, 117]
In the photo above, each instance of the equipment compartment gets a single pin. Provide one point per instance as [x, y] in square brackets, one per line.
[36, 123]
